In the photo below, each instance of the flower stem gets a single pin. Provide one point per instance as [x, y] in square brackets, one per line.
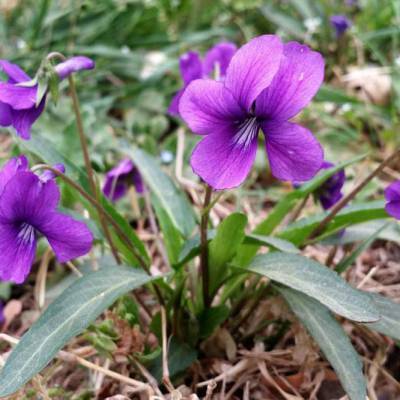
[88, 165]
[204, 247]
[346, 199]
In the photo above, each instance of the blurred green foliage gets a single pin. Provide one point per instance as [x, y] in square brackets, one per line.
[137, 43]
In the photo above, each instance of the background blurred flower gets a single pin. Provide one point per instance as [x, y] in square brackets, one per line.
[18, 106]
[28, 210]
[340, 23]
[120, 178]
[330, 192]
[392, 195]
[266, 84]
[191, 66]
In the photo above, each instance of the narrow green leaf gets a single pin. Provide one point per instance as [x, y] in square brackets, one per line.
[344, 264]
[78, 306]
[172, 200]
[389, 323]
[125, 227]
[230, 234]
[283, 21]
[45, 150]
[171, 236]
[180, 357]
[317, 281]
[191, 248]
[332, 340]
[363, 231]
[211, 318]
[298, 232]
[271, 241]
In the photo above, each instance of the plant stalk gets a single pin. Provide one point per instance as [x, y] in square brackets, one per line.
[88, 165]
[204, 247]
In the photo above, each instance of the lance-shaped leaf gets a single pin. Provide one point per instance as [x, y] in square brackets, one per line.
[78, 306]
[317, 281]
[332, 340]
[389, 323]
[171, 199]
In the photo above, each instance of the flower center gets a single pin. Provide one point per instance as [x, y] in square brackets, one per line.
[26, 234]
[246, 131]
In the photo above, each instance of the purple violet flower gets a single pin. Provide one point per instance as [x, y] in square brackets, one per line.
[330, 191]
[392, 195]
[28, 209]
[340, 23]
[266, 84]
[191, 66]
[18, 102]
[120, 178]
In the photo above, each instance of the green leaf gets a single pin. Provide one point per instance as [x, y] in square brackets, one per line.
[299, 231]
[363, 231]
[271, 241]
[78, 306]
[172, 200]
[171, 236]
[180, 357]
[192, 247]
[125, 227]
[283, 21]
[332, 340]
[389, 323]
[317, 281]
[345, 263]
[230, 234]
[46, 151]
[286, 205]
[211, 318]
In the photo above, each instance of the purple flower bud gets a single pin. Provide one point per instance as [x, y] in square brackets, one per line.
[267, 83]
[392, 195]
[74, 64]
[192, 67]
[28, 209]
[120, 178]
[330, 191]
[18, 102]
[47, 175]
[341, 23]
